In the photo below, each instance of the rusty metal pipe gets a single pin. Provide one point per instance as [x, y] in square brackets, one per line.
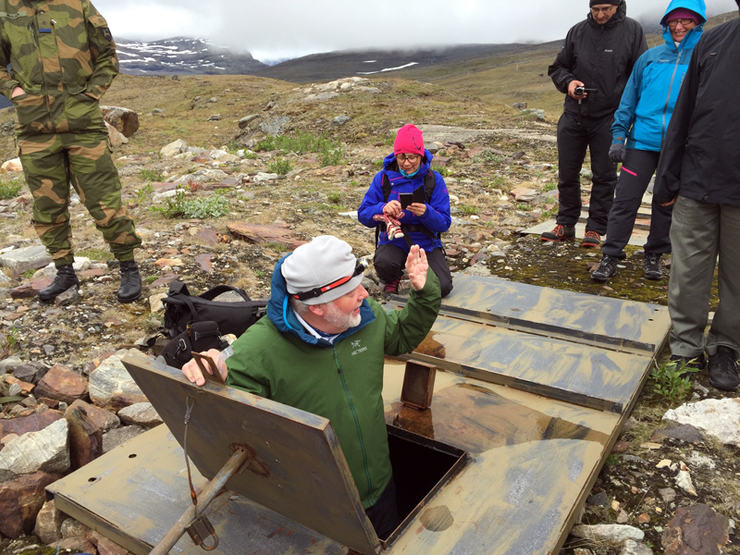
[207, 494]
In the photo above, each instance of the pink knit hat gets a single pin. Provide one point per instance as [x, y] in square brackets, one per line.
[409, 141]
[682, 13]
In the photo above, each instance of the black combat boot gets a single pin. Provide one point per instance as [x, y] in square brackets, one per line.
[130, 289]
[64, 279]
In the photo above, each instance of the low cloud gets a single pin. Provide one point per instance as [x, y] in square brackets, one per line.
[289, 28]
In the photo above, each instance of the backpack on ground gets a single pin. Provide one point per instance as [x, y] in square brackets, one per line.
[197, 322]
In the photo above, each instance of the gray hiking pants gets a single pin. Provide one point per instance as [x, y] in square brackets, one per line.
[700, 232]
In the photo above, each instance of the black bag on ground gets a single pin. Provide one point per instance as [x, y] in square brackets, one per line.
[198, 336]
[181, 308]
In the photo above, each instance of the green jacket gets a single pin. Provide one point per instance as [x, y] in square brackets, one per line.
[343, 381]
[62, 54]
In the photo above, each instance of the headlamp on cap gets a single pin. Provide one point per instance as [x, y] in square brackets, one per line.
[360, 267]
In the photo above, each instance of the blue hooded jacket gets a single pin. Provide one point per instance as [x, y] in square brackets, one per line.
[647, 102]
[437, 217]
[282, 315]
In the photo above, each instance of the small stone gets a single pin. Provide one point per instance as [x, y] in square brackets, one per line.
[70, 296]
[141, 414]
[696, 529]
[20, 501]
[72, 528]
[62, 384]
[667, 494]
[683, 480]
[631, 547]
[614, 534]
[716, 417]
[600, 499]
[173, 148]
[48, 523]
[155, 302]
[246, 120]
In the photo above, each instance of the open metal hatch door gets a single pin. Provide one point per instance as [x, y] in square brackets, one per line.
[296, 464]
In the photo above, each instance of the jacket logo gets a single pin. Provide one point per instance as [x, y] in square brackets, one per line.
[357, 347]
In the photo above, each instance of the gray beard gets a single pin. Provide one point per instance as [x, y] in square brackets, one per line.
[341, 321]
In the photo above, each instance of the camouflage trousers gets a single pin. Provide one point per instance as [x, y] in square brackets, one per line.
[51, 162]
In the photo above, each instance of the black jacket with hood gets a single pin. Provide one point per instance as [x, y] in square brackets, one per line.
[601, 56]
[701, 153]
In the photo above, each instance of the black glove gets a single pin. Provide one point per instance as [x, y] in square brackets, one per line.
[616, 152]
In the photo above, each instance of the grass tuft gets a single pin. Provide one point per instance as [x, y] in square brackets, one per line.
[670, 380]
[10, 189]
[179, 206]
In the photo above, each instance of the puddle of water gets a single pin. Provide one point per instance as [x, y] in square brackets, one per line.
[476, 419]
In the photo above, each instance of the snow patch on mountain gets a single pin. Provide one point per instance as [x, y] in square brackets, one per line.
[182, 55]
[404, 66]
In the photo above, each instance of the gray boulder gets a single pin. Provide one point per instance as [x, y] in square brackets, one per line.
[111, 386]
[19, 261]
[46, 450]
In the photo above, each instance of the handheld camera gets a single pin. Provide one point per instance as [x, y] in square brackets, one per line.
[581, 90]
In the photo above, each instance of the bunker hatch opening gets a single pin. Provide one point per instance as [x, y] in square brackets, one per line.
[421, 466]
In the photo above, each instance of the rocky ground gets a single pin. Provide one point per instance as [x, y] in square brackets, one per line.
[252, 205]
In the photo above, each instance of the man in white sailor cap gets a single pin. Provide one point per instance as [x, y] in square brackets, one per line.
[320, 348]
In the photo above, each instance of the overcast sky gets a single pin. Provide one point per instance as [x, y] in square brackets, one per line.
[276, 29]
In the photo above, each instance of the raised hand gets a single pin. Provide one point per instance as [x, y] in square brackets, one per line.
[416, 267]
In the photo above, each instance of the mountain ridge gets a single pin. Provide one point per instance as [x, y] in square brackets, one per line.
[199, 56]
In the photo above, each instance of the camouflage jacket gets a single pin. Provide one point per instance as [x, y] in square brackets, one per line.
[62, 54]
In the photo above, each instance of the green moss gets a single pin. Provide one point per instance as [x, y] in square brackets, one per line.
[568, 266]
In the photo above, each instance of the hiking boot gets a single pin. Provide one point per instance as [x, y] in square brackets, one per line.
[606, 269]
[130, 289]
[559, 234]
[699, 363]
[723, 369]
[64, 279]
[391, 286]
[651, 266]
[591, 239]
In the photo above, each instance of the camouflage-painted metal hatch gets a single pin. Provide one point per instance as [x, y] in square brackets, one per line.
[532, 386]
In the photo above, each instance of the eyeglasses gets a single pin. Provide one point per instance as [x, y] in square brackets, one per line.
[318, 291]
[672, 24]
[408, 157]
[606, 9]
